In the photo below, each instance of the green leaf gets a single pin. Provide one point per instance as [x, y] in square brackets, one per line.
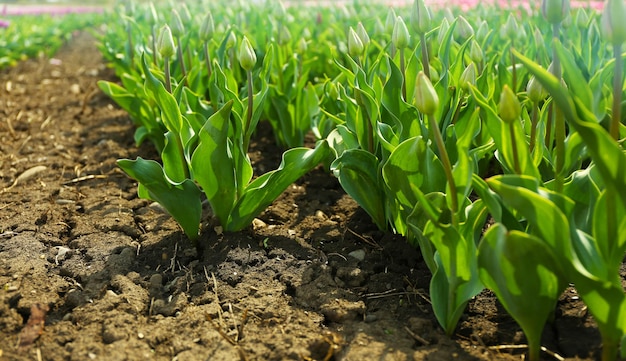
[456, 279]
[172, 118]
[181, 200]
[515, 265]
[259, 194]
[413, 167]
[213, 165]
[174, 164]
[605, 152]
[358, 174]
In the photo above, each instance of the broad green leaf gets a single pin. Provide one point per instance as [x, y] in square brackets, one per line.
[359, 175]
[548, 221]
[213, 165]
[516, 266]
[174, 163]
[413, 167]
[181, 200]
[259, 194]
[456, 279]
[172, 118]
[606, 153]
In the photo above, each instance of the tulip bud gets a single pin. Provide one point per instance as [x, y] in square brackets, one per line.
[463, 29]
[538, 39]
[475, 52]
[362, 33]
[482, 32]
[400, 37]
[582, 19]
[468, 77]
[613, 21]
[443, 29]
[426, 98]
[509, 107]
[166, 45]
[511, 28]
[302, 46]
[185, 14]
[434, 74]
[331, 90]
[420, 17]
[207, 28]
[391, 21]
[281, 13]
[151, 14]
[555, 11]
[379, 28]
[284, 36]
[247, 57]
[448, 15]
[178, 29]
[231, 40]
[535, 90]
[355, 45]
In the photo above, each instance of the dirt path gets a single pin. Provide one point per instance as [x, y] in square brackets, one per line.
[113, 278]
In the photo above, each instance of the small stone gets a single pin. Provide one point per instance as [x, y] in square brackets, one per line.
[258, 224]
[320, 215]
[358, 254]
[75, 89]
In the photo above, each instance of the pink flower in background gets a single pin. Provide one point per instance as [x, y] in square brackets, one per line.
[4, 23]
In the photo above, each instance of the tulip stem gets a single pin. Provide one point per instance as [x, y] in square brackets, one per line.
[533, 127]
[513, 67]
[246, 136]
[447, 167]
[154, 45]
[617, 91]
[207, 58]
[181, 60]
[403, 71]
[129, 34]
[168, 80]
[559, 120]
[425, 60]
[516, 165]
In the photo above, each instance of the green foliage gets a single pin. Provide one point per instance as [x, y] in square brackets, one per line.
[544, 168]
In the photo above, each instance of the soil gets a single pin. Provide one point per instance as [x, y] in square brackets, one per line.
[91, 272]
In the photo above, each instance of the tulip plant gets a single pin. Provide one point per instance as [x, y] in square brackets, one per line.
[434, 123]
[31, 35]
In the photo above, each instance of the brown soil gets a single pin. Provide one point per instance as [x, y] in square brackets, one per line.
[120, 281]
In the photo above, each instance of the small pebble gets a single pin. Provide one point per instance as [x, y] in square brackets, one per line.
[75, 89]
[358, 254]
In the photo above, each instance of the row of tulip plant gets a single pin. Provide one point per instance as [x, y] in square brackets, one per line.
[32, 35]
[505, 168]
